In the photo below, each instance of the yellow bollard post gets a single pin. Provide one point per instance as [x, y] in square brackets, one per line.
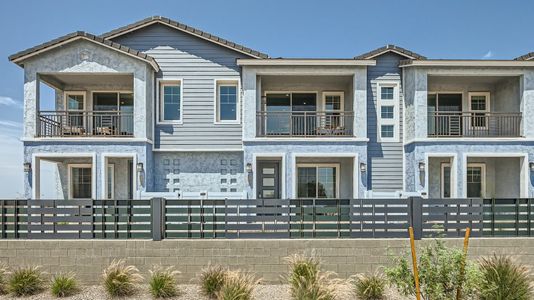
[462, 270]
[414, 260]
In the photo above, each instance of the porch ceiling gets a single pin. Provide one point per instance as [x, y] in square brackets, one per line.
[62, 80]
[467, 79]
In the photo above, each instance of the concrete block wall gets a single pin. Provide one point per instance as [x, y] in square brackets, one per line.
[266, 258]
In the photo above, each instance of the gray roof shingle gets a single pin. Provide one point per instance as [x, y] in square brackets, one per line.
[405, 52]
[81, 34]
[528, 56]
[185, 28]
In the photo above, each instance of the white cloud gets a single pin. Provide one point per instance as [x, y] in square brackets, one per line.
[8, 101]
[7, 123]
[488, 55]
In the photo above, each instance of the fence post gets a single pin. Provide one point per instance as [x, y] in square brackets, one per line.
[416, 216]
[157, 218]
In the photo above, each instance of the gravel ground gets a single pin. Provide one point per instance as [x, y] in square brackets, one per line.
[189, 292]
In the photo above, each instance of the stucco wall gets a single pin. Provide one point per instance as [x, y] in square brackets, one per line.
[142, 152]
[86, 57]
[199, 172]
[289, 150]
[508, 187]
[265, 258]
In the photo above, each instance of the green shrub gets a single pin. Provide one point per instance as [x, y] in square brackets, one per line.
[439, 274]
[237, 286]
[64, 285]
[308, 282]
[212, 279]
[370, 287]
[26, 281]
[4, 273]
[504, 280]
[163, 282]
[121, 280]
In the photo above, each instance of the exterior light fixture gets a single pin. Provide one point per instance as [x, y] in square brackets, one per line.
[139, 167]
[531, 166]
[363, 167]
[421, 167]
[27, 167]
[249, 168]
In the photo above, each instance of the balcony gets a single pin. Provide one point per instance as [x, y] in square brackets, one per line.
[304, 124]
[474, 124]
[85, 124]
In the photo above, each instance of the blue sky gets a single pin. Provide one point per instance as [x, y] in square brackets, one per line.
[438, 29]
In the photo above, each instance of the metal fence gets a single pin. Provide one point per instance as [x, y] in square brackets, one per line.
[256, 218]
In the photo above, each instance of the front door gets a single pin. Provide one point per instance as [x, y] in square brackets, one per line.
[268, 180]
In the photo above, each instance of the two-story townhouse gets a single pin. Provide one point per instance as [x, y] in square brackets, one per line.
[158, 106]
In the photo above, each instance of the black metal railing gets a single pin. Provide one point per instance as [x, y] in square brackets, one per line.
[474, 124]
[304, 124]
[84, 123]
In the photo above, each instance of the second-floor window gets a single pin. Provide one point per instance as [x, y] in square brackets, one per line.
[388, 111]
[170, 102]
[227, 101]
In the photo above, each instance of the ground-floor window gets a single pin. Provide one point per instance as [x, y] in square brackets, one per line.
[445, 180]
[476, 180]
[80, 181]
[317, 180]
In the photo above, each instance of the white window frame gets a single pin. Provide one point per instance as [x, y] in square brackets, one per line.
[74, 93]
[487, 110]
[482, 178]
[317, 166]
[159, 103]
[395, 102]
[342, 99]
[216, 100]
[70, 181]
[442, 179]
[112, 177]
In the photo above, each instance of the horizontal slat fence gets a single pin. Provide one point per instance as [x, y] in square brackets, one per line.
[450, 217]
[256, 218]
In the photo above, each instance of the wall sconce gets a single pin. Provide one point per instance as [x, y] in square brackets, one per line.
[139, 167]
[363, 167]
[27, 167]
[531, 166]
[249, 168]
[421, 167]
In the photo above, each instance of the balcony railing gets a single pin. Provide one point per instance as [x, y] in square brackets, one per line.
[85, 123]
[474, 124]
[304, 124]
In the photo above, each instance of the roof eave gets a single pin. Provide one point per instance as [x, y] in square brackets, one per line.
[184, 28]
[19, 57]
[466, 63]
[305, 62]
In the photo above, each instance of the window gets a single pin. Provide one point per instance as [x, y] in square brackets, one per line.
[479, 105]
[387, 131]
[110, 181]
[80, 178]
[227, 101]
[387, 92]
[170, 102]
[75, 105]
[388, 112]
[333, 108]
[445, 180]
[317, 181]
[476, 180]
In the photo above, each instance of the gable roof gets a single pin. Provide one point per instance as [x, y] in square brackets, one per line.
[184, 28]
[19, 57]
[390, 48]
[528, 56]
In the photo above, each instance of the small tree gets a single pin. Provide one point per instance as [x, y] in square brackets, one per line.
[439, 274]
